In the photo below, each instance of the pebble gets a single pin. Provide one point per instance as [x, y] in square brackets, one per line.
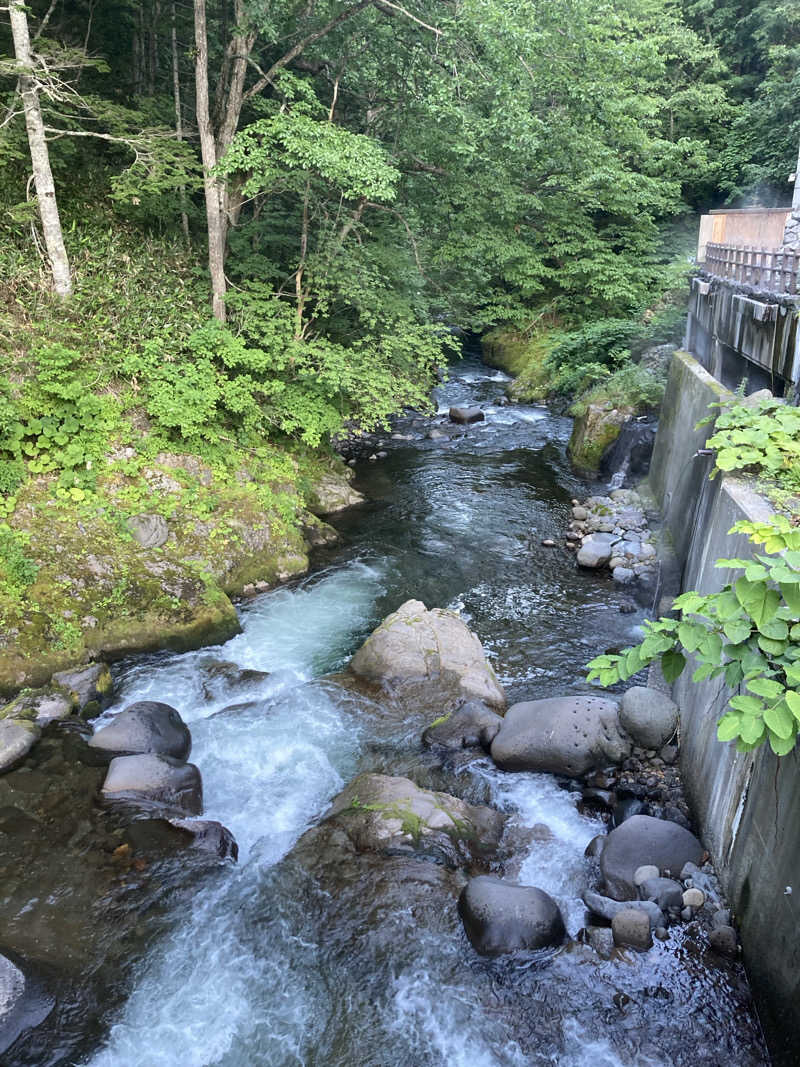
[622, 575]
[694, 898]
[631, 928]
[645, 873]
[661, 932]
[721, 918]
[548, 542]
[724, 942]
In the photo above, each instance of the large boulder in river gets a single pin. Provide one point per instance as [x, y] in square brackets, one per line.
[473, 725]
[333, 492]
[155, 780]
[146, 726]
[501, 917]
[465, 416]
[648, 715]
[414, 645]
[642, 840]
[383, 814]
[561, 735]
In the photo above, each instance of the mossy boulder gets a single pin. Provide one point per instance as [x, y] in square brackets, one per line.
[523, 355]
[594, 429]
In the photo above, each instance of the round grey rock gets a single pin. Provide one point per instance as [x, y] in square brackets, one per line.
[665, 892]
[649, 716]
[593, 552]
[153, 779]
[724, 942]
[622, 575]
[694, 898]
[146, 726]
[501, 917]
[643, 839]
[645, 873]
[561, 735]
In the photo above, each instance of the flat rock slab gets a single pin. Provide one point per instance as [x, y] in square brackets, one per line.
[415, 645]
[502, 917]
[17, 738]
[157, 780]
[466, 415]
[561, 735]
[641, 840]
[146, 726]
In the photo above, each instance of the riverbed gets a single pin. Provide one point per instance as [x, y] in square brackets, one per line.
[255, 966]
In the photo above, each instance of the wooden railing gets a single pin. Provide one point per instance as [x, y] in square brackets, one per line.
[764, 268]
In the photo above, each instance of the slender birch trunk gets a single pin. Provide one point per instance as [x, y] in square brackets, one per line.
[40, 157]
[211, 186]
[176, 92]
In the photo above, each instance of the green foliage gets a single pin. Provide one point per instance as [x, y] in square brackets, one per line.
[587, 355]
[763, 439]
[17, 570]
[748, 635]
[632, 387]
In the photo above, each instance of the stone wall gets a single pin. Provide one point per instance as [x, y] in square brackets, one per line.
[748, 806]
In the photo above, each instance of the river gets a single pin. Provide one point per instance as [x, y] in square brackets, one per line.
[243, 972]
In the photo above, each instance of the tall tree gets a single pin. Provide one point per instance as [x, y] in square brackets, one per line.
[40, 157]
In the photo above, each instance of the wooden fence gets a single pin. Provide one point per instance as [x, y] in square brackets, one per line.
[764, 268]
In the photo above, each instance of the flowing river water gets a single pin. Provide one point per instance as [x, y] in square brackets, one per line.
[242, 970]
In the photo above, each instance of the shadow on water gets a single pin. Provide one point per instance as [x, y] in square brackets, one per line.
[267, 964]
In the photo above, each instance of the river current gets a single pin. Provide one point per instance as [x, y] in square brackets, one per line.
[240, 973]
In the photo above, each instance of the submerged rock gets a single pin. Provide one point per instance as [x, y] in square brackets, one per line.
[155, 780]
[648, 715]
[146, 726]
[23, 1002]
[562, 735]
[473, 725]
[640, 840]
[414, 645]
[502, 917]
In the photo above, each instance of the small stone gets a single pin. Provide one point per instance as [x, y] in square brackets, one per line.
[688, 870]
[631, 928]
[372, 458]
[616, 561]
[669, 753]
[580, 513]
[694, 898]
[687, 915]
[549, 542]
[623, 575]
[724, 942]
[627, 606]
[721, 918]
[17, 738]
[661, 932]
[665, 892]
[382, 455]
[645, 873]
[601, 938]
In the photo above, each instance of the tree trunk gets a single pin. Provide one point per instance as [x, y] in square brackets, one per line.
[211, 186]
[176, 92]
[40, 157]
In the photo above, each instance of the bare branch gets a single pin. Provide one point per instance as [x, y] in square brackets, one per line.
[408, 15]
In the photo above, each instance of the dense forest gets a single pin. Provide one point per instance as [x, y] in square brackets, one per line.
[236, 229]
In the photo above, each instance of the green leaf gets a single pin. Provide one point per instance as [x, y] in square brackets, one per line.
[765, 687]
[791, 594]
[792, 698]
[781, 746]
[728, 727]
[776, 629]
[780, 720]
[751, 729]
[672, 664]
[737, 630]
[746, 704]
[757, 599]
[690, 634]
[772, 648]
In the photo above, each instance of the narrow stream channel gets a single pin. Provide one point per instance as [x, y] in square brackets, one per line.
[243, 974]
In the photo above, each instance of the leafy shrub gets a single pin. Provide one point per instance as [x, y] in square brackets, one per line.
[764, 439]
[17, 570]
[748, 634]
[584, 355]
[632, 386]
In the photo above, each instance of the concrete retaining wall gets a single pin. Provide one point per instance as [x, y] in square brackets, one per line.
[748, 806]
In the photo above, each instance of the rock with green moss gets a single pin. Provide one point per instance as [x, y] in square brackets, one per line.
[381, 814]
[435, 650]
[333, 492]
[523, 355]
[89, 689]
[594, 429]
[473, 725]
